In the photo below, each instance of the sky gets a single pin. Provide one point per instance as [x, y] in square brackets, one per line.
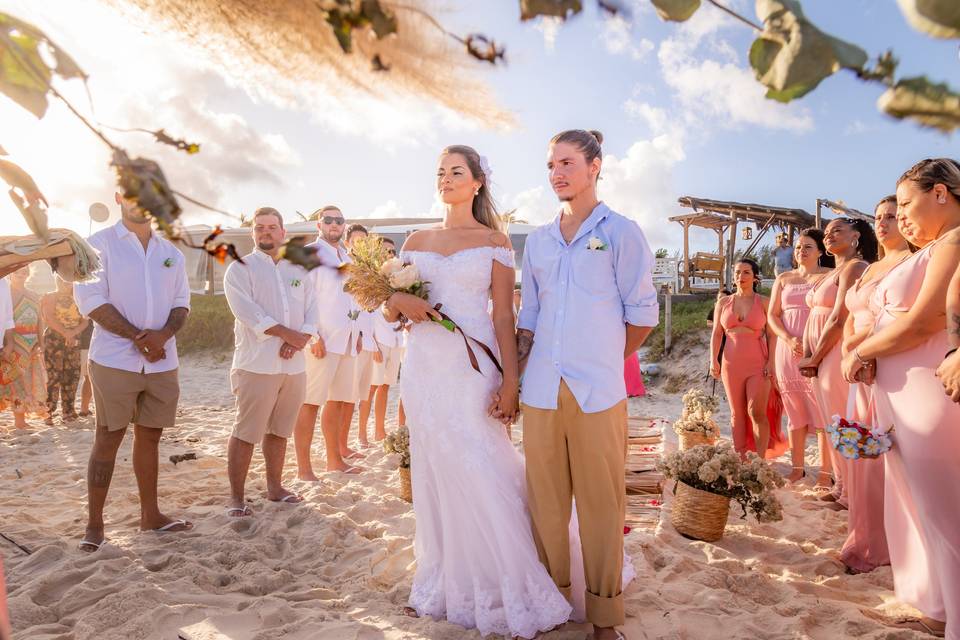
[678, 106]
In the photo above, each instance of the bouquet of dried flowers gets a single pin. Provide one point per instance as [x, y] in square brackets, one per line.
[399, 442]
[718, 469]
[698, 408]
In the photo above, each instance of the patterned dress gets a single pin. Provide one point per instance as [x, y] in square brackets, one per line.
[23, 382]
[62, 360]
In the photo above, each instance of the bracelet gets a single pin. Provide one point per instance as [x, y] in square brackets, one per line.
[856, 353]
[949, 353]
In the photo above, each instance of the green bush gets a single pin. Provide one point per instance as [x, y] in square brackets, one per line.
[209, 326]
[689, 317]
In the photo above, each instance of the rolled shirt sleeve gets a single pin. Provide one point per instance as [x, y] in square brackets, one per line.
[182, 286]
[529, 292]
[93, 294]
[634, 274]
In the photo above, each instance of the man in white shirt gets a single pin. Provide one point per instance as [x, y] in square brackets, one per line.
[274, 304]
[331, 358]
[138, 302]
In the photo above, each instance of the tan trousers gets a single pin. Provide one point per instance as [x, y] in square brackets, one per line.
[575, 454]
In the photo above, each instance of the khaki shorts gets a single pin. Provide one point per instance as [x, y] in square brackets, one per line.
[122, 397]
[388, 371]
[266, 403]
[330, 378]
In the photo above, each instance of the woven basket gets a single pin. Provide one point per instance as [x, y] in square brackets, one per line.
[697, 514]
[406, 487]
[690, 439]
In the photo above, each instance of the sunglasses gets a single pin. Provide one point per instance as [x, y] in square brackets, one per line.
[332, 220]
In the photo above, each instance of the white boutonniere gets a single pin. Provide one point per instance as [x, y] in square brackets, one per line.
[596, 244]
[168, 262]
[295, 283]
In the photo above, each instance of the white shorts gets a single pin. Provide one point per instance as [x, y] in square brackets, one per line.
[388, 371]
[329, 378]
[364, 374]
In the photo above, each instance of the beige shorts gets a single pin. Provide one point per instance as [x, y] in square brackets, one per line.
[330, 378]
[388, 371]
[122, 397]
[364, 375]
[84, 358]
[266, 403]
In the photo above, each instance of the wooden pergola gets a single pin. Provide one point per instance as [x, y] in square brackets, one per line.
[723, 217]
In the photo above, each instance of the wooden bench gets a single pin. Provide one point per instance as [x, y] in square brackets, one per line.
[706, 266]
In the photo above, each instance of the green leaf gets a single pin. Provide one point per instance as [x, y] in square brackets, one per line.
[928, 104]
[791, 57]
[676, 10]
[530, 9]
[937, 18]
[24, 74]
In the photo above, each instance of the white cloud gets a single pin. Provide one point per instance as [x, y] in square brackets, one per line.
[534, 205]
[389, 209]
[549, 27]
[618, 39]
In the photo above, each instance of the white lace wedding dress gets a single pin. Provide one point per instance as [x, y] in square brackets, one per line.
[477, 563]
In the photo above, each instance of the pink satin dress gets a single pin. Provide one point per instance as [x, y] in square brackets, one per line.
[922, 471]
[865, 548]
[745, 357]
[798, 401]
[830, 390]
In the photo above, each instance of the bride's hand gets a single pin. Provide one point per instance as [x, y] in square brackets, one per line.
[509, 403]
[412, 308]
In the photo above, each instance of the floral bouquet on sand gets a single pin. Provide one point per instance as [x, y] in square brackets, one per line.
[717, 469]
[696, 418]
[853, 440]
[399, 442]
[374, 276]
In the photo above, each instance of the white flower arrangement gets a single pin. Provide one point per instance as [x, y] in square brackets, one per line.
[718, 469]
[596, 244]
[698, 408]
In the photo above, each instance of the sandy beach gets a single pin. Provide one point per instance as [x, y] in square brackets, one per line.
[339, 566]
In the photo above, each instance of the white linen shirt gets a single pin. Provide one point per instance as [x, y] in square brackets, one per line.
[262, 294]
[144, 286]
[6, 309]
[386, 332]
[577, 301]
[366, 324]
[338, 311]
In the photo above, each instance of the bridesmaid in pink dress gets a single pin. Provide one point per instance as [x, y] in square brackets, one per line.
[921, 501]
[853, 245]
[866, 546]
[787, 317]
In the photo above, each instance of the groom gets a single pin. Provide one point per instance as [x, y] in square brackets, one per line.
[587, 302]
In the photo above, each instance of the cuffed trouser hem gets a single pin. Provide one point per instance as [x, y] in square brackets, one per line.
[605, 612]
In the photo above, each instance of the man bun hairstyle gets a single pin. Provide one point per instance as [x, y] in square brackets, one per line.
[587, 142]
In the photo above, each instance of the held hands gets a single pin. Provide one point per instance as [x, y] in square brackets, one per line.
[949, 374]
[808, 368]
[318, 348]
[855, 370]
[412, 308]
[150, 343]
[378, 357]
[505, 404]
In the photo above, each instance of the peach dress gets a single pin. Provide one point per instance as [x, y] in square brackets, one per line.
[829, 388]
[795, 390]
[866, 546]
[745, 357]
[922, 471]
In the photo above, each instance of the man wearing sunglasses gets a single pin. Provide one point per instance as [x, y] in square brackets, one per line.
[330, 360]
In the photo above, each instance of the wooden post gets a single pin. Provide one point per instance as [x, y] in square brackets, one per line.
[731, 250]
[667, 319]
[818, 220]
[686, 256]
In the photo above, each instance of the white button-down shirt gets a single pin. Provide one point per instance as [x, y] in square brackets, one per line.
[386, 332]
[577, 300]
[367, 325]
[144, 286]
[6, 308]
[338, 312]
[262, 294]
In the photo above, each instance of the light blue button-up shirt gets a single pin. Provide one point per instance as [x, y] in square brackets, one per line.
[577, 300]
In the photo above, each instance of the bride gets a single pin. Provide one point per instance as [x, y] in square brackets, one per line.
[477, 562]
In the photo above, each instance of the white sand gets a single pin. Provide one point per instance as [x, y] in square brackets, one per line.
[339, 565]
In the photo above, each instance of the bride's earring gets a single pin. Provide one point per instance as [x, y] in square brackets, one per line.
[477, 192]
[942, 200]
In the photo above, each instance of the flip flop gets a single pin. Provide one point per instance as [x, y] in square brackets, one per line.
[902, 622]
[241, 512]
[87, 543]
[356, 455]
[351, 470]
[290, 498]
[170, 525]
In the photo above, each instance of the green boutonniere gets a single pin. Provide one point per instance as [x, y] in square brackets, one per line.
[168, 262]
[295, 283]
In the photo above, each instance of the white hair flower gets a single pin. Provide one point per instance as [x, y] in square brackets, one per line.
[485, 167]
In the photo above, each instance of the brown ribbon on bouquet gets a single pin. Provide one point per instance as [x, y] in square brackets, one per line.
[448, 323]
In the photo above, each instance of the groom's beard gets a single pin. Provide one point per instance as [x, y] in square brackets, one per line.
[266, 246]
